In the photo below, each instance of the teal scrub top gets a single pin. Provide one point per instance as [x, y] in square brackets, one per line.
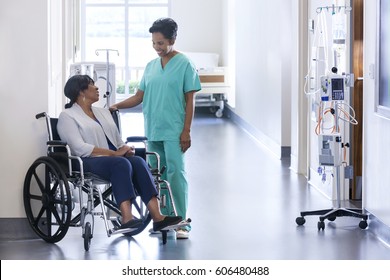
[164, 96]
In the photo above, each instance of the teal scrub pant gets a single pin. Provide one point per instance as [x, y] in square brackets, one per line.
[172, 158]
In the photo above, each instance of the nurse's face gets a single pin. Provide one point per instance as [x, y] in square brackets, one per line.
[162, 45]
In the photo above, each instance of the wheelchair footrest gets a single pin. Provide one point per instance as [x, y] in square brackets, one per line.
[179, 225]
[122, 230]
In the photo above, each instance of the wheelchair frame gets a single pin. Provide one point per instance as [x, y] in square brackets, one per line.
[52, 189]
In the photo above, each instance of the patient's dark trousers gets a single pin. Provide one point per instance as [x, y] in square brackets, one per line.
[126, 175]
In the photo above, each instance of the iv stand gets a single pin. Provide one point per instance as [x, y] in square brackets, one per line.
[107, 95]
[331, 214]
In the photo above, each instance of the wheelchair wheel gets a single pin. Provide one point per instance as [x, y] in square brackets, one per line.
[87, 236]
[47, 199]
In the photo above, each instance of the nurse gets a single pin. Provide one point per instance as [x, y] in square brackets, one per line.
[166, 92]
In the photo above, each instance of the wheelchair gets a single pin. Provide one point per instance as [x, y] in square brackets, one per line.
[57, 197]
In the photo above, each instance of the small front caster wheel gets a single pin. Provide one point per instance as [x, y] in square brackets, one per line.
[321, 225]
[363, 224]
[300, 221]
[87, 236]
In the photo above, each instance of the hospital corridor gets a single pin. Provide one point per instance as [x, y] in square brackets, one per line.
[243, 205]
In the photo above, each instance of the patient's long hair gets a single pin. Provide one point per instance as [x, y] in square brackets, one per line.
[74, 86]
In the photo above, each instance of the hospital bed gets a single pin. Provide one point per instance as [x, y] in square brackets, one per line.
[214, 90]
[214, 82]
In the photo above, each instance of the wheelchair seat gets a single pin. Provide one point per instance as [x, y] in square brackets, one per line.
[57, 195]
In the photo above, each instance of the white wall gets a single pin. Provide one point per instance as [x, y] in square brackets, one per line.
[262, 67]
[299, 102]
[200, 25]
[24, 92]
[376, 131]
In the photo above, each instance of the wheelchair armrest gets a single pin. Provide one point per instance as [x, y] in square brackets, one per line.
[56, 143]
[136, 139]
[60, 151]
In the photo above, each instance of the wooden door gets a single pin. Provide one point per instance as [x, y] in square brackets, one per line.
[357, 97]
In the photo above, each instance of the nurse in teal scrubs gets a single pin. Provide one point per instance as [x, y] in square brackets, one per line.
[167, 93]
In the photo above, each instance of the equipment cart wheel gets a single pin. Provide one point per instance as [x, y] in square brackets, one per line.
[213, 109]
[363, 224]
[300, 221]
[219, 113]
[87, 236]
[47, 199]
[321, 225]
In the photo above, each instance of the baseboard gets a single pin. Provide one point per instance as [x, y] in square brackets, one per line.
[260, 137]
[16, 229]
[379, 229]
[286, 152]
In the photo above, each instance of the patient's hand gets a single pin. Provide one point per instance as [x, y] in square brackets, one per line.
[130, 152]
[125, 151]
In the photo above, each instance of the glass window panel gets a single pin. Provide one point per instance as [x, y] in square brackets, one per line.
[105, 22]
[104, 2]
[148, 1]
[140, 41]
[137, 2]
[104, 29]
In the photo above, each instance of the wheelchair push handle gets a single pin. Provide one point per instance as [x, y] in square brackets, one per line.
[136, 139]
[40, 115]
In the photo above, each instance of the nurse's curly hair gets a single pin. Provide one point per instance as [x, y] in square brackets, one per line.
[74, 85]
[166, 26]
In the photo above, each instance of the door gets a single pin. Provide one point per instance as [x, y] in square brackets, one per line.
[357, 98]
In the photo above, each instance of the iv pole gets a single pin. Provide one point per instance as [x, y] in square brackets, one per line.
[107, 95]
[338, 211]
[332, 213]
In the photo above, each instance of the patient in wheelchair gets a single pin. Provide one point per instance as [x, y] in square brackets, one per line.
[92, 134]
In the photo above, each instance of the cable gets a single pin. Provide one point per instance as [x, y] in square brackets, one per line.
[349, 118]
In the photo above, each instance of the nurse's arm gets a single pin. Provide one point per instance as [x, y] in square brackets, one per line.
[129, 102]
[189, 96]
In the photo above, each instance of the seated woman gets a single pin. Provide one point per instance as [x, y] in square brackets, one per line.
[91, 133]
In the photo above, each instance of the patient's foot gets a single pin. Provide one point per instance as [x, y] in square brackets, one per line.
[133, 223]
[167, 221]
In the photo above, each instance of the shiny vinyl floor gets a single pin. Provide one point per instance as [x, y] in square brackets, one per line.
[243, 203]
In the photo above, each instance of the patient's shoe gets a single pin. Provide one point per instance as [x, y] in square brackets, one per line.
[133, 223]
[168, 221]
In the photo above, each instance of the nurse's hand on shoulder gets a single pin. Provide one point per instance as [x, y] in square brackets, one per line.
[113, 108]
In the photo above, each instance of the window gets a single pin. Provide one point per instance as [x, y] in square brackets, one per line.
[383, 60]
[121, 25]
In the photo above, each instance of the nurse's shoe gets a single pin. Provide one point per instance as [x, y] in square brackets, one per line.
[182, 233]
